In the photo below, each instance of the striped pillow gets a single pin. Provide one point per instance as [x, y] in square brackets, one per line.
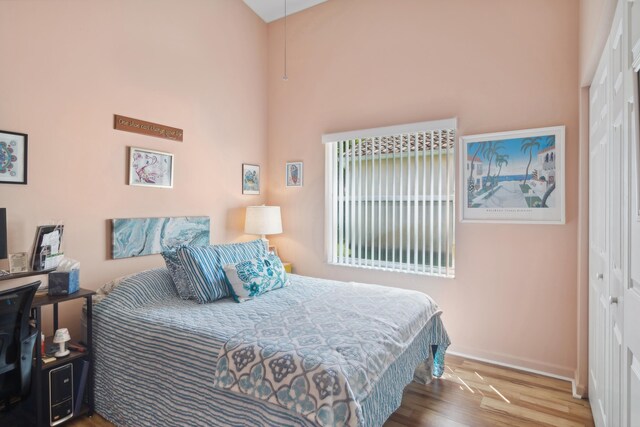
[203, 265]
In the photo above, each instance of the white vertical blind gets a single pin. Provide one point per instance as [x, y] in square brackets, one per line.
[390, 198]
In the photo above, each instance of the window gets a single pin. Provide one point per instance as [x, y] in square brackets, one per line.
[390, 198]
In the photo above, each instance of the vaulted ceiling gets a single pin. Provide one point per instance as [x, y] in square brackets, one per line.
[271, 10]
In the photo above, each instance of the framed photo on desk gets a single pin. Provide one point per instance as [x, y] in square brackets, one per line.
[47, 242]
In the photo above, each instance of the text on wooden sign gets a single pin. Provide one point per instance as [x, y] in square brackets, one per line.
[147, 128]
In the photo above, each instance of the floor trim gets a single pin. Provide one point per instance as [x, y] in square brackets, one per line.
[521, 368]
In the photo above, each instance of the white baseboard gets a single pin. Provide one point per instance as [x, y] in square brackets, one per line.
[521, 368]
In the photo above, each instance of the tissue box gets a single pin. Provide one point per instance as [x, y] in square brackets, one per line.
[64, 283]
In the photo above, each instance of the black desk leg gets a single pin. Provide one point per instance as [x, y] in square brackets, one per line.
[38, 373]
[55, 318]
[91, 351]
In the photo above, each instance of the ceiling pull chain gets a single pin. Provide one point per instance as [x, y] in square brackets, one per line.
[285, 77]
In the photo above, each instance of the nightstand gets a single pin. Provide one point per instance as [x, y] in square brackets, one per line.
[69, 377]
[287, 267]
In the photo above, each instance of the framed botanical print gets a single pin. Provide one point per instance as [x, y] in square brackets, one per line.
[250, 179]
[514, 177]
[295, 174]
[13, 157]
[150, 168]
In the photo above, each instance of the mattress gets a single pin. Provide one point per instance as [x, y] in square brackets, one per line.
[156, 356]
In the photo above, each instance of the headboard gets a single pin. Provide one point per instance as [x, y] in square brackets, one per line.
[133, 237]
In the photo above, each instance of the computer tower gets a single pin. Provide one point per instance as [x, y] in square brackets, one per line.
[60, 394]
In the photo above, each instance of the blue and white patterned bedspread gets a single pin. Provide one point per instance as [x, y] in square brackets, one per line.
[156, 355]
[322, 358]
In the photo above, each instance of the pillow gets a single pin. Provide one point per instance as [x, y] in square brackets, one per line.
[249, 279]
[105, 290]
[178, 274]
[203, 266]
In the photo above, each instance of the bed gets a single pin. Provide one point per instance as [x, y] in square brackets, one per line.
[161, 360]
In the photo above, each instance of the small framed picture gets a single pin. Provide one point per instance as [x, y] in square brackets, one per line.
[294, 173]
[150, 168]
[13, 157]
[18, 263]
[273, 250]
[250, 179]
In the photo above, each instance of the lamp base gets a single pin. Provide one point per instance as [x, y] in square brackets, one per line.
[266, 242]
[62, 352]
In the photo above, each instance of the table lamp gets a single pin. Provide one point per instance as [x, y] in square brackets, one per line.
[263, 220]
[61, 337]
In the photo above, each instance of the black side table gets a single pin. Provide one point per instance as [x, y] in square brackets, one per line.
[40, 375]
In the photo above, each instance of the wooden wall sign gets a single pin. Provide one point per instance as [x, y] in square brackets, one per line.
[147, 128]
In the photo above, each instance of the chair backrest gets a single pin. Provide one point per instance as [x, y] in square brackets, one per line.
[17, 339]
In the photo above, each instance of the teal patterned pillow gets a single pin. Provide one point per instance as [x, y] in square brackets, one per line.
[249, 279]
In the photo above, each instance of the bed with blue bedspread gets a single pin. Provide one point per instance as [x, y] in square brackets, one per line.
[317, 352]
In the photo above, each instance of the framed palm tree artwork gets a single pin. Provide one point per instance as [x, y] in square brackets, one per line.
[514, 177]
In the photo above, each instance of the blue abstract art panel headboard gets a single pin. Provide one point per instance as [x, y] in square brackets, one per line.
[133, 237]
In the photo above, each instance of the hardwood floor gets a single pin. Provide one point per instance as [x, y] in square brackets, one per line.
[474, 394]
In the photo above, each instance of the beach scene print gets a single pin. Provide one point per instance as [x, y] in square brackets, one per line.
[512, 173]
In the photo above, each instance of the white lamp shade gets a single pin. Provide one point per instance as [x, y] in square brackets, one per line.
[263, 220]
[62, 335]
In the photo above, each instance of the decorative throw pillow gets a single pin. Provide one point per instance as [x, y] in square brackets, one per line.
[178, 274]
[203, 266]
[249, 279]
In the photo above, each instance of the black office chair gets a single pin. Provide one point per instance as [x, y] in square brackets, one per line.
[17, 339]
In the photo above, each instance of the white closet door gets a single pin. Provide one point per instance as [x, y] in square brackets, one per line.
[618, 214]
[599, 241]
[631, 293]
[598, 281]
[614, 242]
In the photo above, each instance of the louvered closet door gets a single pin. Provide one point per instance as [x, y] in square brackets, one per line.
[614, 291]
[599, 241]
[631, 292]
[618, 215]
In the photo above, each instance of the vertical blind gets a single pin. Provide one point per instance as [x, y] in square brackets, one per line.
[390, 198]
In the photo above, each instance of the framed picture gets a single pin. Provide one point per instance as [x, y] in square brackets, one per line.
[18, 263]
[514, 177]
[13, 157]
[273, 250]
[150, 168]
[294, 173]
[250, 179]
[48, 241]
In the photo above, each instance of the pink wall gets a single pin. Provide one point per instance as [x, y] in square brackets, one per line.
[200, 65]
[69, 65]
[496, 65]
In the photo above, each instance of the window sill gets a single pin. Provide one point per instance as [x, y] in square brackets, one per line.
[443, 275]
